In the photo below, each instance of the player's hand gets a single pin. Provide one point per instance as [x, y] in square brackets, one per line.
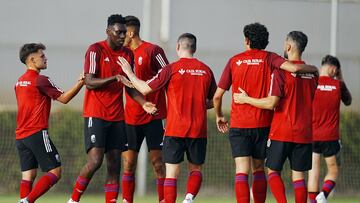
[124, 65]
[339, 75]
[124, 80]
[240, 98]
[150, 108]
[221, 124]
[81, 79]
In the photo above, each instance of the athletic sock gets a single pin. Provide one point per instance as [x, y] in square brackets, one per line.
[42, 186]
[259, 187]
[277, 187]
[300, 191]
[194, 183]
[160, 188]
[170, 190]
[79, 188]
[128, 187]
[327, 187]
[25, 188]
[242, 188]
[111, 192]
[312, 196]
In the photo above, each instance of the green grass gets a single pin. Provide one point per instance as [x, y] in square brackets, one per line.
[51, 198]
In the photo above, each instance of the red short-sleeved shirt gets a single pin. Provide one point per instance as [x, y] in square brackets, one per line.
[149, 59]
[326, 109]
[107, 102]
[292, 121]
[33, 94]
[251, 71]
[189, 83]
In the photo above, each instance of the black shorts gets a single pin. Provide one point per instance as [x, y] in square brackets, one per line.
[249, 142]
[104, 134]
[153, 131]
[300, 155]
[327, 148]
[38, 149]
[174, 148]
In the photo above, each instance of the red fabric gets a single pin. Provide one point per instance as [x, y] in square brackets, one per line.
[326, 110]
[312, 196]
[259, 187]
[300, 191]
[33, 94]
[277, 187]
[194, 183]
[111, 192]
[242, 190]
[149, 59]
[160, 188]
[128, 186]
[189, 82]
[105, 103]
[42, 186]
[79, 188]
[170, 187]
[251, 71]
[25, 188]
[292, 121]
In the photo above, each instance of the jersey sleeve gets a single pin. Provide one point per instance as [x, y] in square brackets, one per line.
[92, 60]
[277, 83]
[345, 94]
[275, 60]
[48, 88]
[161, 78]
[212, 88]
[225, 80]
[159, 59]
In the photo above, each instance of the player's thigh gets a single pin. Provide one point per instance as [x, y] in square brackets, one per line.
[276, 153]
[240, 142]
[173, 150]
[95, 131]
[196, 150]
[301, 157]
[154, 133]
[135, 136]
[116, 137]
[259, 143]
[27, 158]
[44, 150]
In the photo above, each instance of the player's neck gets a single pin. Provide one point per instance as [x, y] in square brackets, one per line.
[294, 57]
[185, 55]
[33, 68]
[324, 72]
[135, 43]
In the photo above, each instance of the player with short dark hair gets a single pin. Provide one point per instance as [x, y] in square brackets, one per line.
[104, 126]
[331, 90]
[190, 86]
[149, 60]
[249, 127]
[33, 94]
[290, 134]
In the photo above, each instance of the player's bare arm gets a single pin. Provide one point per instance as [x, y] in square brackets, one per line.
[298, 68]
[92, 82]
[269, 102]
[71, 93]
[221, 121]
[149, 107]
[140, 85]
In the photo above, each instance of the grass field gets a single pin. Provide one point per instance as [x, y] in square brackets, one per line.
[152, 199]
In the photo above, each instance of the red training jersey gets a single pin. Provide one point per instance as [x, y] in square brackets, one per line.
[33, 94]
[106, 102]
[292, 121]
[326, 109]
[251, 71]
[149, 59]
[189, 83]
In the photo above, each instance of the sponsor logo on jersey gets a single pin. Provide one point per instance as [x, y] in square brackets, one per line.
[249, 62]
[23, 83]
[182, 71]
[326, 87]
[192, 72]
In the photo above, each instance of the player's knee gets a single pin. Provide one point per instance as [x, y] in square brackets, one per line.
[158, 166]
[56, 172]
[129, 165]
[94, 163]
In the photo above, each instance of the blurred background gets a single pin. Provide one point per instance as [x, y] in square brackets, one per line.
[68, 27]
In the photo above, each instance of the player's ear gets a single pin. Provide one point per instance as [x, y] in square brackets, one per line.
[247, 41]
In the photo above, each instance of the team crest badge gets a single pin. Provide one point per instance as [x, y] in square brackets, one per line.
[140, 60]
